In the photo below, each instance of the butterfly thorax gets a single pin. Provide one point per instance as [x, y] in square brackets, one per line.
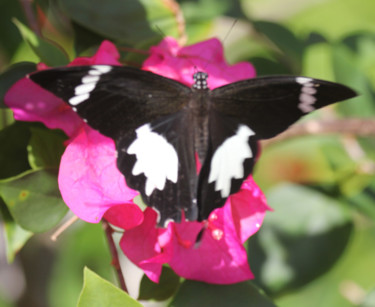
[199, 110]
[200, 81]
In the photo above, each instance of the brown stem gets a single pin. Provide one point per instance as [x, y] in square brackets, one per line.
[350, 126]
[177, 12]
[113, 249]
[27, 6]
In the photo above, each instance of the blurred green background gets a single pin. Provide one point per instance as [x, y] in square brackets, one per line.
[318, 246]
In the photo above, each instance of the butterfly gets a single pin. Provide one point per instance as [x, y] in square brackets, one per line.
[163, 129]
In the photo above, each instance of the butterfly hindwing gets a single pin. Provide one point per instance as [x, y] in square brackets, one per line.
[269, 105]
[158, 161]
[230, 159]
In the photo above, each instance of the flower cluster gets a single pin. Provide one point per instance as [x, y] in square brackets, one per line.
[93, 188]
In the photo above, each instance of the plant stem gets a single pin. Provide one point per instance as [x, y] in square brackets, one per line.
[360, 127]
[115, 260]
[27, 6]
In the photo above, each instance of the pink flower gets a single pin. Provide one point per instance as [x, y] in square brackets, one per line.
[93, 188]
[220, 257]
[30, 102]
[180, 63]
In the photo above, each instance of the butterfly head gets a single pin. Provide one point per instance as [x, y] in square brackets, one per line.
[200, 80]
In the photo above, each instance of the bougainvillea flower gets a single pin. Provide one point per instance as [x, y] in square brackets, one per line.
[220, 256]
[180, 63]
[92, 186]
[30, 102]
[89, 180]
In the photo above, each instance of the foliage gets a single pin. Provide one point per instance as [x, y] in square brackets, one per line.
[315, 249]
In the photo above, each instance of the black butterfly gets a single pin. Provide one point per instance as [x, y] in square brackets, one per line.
[161, 127]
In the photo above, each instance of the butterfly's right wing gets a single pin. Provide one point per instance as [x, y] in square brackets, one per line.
[144, 114]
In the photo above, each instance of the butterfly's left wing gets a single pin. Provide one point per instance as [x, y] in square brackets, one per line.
[114, 99]
[145, 114]
[246, 111]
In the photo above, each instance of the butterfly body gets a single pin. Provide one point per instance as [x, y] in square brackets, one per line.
[186, 150]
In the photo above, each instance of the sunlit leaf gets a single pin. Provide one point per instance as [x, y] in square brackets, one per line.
[48, 52]
[97, 292]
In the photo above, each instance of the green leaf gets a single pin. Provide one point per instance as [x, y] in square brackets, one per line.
[364, 200]
[129, 22]
[45, 147]
[347, 71]
[285, 41]
[334, 18]
[84, 38]
[354, 268]
[193, 293]
[47, 51]
[13, 153]
[98, 292]
[34, 200]
[369, 300]
[84, 244]
[301, 240]
[167, 286]
[11, 75]
[15, 236]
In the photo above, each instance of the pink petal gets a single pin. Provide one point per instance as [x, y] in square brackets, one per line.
[141, 246]
[247, 210]
[106, 54]
[220, 257]
[180, 63]
[89, 180]
[125, 216]
[30, 102]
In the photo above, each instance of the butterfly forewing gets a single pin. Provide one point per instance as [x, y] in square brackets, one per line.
[114, 99]
[269, 105]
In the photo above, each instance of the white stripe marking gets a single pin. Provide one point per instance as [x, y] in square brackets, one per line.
[227, 161]
[156, 159]
[90, 79]
[306, 97]
[88, 83]
[85, 88]
[76, 100]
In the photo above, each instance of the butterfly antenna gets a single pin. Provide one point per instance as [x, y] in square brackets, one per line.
[158, 29]
[225, 37]
[230, 30]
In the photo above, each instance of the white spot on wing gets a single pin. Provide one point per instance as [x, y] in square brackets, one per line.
[88, 84]
[156, 159]
[78, 99]
[227, 161]
[306, 98]
[84, 88]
